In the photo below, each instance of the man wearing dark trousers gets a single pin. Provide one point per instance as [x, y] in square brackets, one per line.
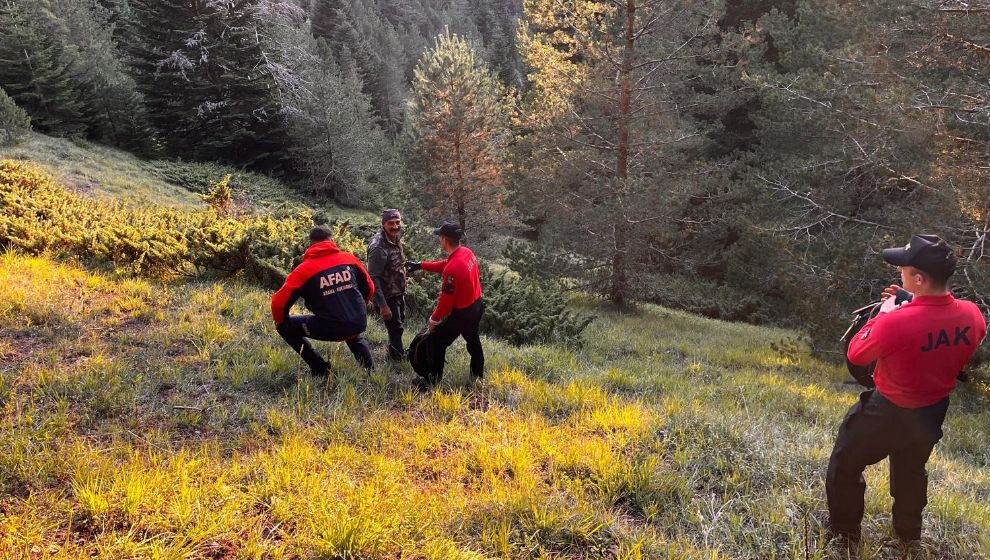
[920, 347]
[459, 309]
[385, 265]
[337, 289]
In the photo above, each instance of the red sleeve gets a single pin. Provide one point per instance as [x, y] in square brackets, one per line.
[434, 266]
[284, 297]
[449, 282]
[369, 292]
[877, 338]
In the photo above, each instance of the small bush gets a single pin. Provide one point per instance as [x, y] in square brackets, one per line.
[201, 177]
[527, 311]
[520, 309]
[703, 297]
[220, 196]
[534, 261]
[14, 121]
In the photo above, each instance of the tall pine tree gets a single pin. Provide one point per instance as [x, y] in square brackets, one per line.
[459, 119]
[36, 70]
[201, 68]
[613, 109]
[335, 141]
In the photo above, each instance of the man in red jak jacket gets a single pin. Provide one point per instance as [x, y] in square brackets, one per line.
[336, 288]
[459, 309]
[920, 347]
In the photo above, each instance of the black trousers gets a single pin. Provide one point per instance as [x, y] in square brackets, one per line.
[298, 328]
[874, 429]
[461, 322]
[396, 326]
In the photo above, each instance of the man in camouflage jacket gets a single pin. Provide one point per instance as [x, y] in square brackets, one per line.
[385, 265]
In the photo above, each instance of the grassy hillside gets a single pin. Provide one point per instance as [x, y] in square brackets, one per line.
[166, 420]
[103, 171]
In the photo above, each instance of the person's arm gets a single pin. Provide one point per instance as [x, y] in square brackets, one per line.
[878, 338]
[286, 296]
[449, 284]
[376, 269]
[434, 266]
[364, 282]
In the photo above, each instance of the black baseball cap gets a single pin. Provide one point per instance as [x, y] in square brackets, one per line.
[928, 253]
[452, 230]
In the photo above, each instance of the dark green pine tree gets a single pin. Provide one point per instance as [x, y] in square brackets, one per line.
[35, 70]
[115, 111]
[328, 19]
[334, 22]
[154, 34]
[239, 117]
[201, 69]
[390, 81]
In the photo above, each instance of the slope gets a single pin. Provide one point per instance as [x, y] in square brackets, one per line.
[165, 420]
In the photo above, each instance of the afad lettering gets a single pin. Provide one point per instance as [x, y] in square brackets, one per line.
[942, 339]
[335, 278]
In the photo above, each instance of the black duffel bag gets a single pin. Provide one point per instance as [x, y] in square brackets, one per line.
[864, 374]
[421, 356]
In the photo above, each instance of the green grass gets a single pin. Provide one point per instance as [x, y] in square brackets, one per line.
[149, 420]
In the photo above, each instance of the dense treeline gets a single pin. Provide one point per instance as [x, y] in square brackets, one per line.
[745, 159]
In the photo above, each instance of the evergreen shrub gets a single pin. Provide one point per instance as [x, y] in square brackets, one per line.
[703, 297]
[39, 215]
[200, 177]
[521, 309]
[14, 121]
[525, 310]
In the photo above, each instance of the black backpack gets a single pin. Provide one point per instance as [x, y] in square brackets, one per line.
[420, 356]
[864, 374]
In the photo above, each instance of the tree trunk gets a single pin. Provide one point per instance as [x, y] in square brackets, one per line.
[462, 189]
[620, 282]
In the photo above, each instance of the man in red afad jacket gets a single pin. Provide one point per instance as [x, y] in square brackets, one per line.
[337, 289]
[459, 309]
[920, 347]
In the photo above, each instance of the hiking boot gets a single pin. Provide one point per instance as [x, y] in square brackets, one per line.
[903, 548]
[847, 544]
[423, 385]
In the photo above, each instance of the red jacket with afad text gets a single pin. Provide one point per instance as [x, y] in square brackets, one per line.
[460, 283]
[920, 348]
[334, 284]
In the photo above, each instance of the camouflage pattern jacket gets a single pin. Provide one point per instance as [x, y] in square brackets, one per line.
[386, 267]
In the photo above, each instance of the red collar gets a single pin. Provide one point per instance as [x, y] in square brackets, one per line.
[933, 300]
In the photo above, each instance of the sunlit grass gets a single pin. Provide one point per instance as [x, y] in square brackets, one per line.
[147, 420]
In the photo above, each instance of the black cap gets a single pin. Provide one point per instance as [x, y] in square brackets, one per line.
[450, 229]
[390, 214]
[928, 253]
[320, 233]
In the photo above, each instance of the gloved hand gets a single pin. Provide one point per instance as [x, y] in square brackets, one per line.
[413, 266]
